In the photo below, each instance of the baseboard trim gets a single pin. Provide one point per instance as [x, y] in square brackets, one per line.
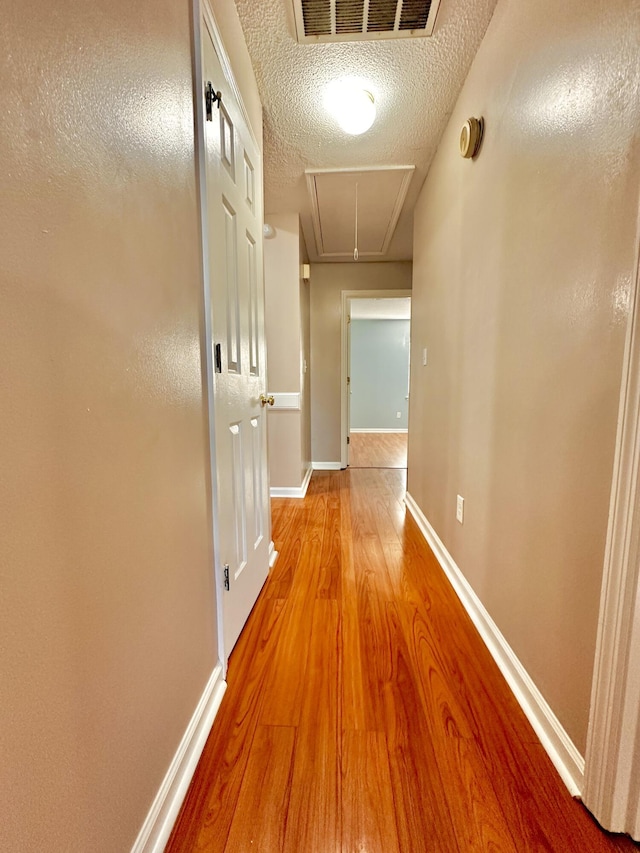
[273, 554]
[162, 815]
[326, 466]
[292, 492]
[557, 743]
[380, 430]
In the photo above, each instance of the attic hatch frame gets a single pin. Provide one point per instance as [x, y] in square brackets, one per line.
[319, 21]
[359, 173]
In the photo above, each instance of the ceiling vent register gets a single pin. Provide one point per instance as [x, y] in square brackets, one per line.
[363, 20]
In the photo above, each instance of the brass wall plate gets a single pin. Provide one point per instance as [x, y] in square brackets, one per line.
[471, 137]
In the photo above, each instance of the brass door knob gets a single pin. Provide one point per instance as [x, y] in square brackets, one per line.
[264, 401]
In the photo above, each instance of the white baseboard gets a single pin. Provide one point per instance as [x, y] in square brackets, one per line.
[379, 430]
[273, 554]
[292, 492]
[326, 466]
[162, 815]
[559, 746]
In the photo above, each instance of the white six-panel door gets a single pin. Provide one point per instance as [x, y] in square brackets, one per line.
[234, 208]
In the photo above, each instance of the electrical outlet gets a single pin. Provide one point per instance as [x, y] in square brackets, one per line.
[424, 357]
[398, 414]
[460, 509]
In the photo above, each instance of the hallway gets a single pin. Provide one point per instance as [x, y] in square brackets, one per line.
[378, 450]
[363, 712]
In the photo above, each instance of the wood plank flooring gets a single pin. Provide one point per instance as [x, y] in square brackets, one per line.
[363, 712]
[378, 450]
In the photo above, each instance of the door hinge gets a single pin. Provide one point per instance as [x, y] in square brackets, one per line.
[348, 380]
[348, 439]
[226, 576]
[211, 97]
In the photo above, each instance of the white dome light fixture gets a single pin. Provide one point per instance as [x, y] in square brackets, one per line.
[352, 106]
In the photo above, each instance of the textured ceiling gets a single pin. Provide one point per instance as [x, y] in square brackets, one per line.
[415, 83]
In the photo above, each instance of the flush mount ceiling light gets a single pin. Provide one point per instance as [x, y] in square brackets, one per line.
[352, 106]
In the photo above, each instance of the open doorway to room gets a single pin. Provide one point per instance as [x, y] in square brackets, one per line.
[376, 379]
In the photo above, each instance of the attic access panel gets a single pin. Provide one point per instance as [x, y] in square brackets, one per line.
[381, 195]
[363, 20]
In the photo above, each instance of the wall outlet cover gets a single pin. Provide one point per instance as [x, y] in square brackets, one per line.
[460, 509]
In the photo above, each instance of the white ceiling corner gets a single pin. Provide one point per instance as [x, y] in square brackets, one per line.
[380, 193]
[415, 83]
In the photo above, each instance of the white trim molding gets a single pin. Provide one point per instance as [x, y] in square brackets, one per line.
[292, 492]
[559, 746]
[203, 17]
[162, 815]
[285, 400]
[326, 466]
[379, 430]
[612, 783]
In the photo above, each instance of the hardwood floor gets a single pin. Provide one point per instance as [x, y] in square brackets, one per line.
[363, 712]
[378, 450]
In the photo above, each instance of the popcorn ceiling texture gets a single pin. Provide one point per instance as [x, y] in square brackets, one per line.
[415, 83]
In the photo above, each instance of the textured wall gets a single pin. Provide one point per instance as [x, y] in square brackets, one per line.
[282, 302]
[305, 328]
[286, 296]
[522, 270]
[107, 609]
[379, 374]
[327, 283]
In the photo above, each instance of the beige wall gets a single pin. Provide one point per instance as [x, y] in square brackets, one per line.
[305, 327]
[327, 283]
[287, 329]
[282, 302]
[522, 269]
[107, 610]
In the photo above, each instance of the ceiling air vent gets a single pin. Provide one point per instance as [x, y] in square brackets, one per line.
[363, 20]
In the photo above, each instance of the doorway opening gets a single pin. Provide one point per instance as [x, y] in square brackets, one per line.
[375, 378]
[378, 450]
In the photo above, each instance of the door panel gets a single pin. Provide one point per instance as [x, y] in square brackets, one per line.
[258, 490]
[249, 181]
[254, 337]
[239, 501]
[227, 142]
[234, 205]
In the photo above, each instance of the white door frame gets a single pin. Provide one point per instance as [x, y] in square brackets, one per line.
[612, 761]
[347, 296]
[206, 337]
[203, 16]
